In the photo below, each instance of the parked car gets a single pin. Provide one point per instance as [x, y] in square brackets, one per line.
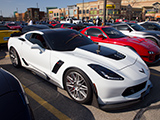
[30, 28]
[68, 59]
[69, 26]
[13, 26]
[133, 29]
[5, 33]
[71, 20]
[146, 48]
[14, 104]
[21, 23]
[150, 25]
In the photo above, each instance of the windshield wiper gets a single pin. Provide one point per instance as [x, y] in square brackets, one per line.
[74, 37]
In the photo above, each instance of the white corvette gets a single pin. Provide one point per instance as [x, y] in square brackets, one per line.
[73, 62]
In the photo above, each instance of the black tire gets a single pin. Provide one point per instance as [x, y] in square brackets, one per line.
[14, 58]
[78, 86]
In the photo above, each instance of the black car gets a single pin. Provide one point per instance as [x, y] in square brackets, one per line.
[14, 104]
[34, 27]
[150, 25]
[31, 28]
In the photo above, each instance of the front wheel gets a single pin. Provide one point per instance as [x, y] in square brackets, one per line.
[78, 85]
[14, 57]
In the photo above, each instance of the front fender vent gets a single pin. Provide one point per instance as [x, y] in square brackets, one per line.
[57, 66]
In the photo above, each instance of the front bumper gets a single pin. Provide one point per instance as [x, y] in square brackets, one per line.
[128, 103]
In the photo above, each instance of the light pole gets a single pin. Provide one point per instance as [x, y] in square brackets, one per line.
[82, 9]
[104, 9]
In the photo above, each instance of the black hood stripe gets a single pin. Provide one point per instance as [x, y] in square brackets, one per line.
[103, 51]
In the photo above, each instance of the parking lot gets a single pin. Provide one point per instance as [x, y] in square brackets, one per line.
[51, 103]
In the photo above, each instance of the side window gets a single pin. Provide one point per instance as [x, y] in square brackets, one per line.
[93, 32]
[145, 26]
[122, 27]
[152, 27]
[38, 39]
[28, 36]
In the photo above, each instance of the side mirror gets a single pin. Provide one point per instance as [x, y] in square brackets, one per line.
[130, 30]
[35, 46]
[101, 36]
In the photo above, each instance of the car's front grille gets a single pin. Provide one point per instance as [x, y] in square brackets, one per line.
[134, 89]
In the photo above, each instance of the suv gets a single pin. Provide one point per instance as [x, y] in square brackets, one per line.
[133, 29]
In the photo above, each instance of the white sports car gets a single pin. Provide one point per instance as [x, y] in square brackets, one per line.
[114, 74]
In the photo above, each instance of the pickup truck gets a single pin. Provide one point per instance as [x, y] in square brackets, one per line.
[71, 20]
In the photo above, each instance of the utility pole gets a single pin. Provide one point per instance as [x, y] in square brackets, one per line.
[83, 10]
[104, 10]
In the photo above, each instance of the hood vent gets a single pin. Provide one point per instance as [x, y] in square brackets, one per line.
[117, 56]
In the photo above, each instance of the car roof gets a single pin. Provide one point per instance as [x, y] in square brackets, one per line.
[44, 31]
[99, 27]
[121, 23]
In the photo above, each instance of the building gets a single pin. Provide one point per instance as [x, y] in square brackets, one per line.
[90, 10]
[150, 8]
[72, 11]
[56, 14]
[20, 16]
[33, 13]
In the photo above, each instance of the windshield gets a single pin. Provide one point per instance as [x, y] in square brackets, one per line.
[137, 27]
[66, 40]
[113, 33]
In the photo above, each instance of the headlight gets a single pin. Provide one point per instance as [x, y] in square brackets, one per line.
[105, 73]
[150, 52]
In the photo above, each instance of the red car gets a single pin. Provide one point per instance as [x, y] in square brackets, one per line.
[13, 26]
[147, 49]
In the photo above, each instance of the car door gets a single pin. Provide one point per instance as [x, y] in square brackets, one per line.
[36, 55]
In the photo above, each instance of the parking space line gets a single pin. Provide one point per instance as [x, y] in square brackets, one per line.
[4, 56]
[46, 105]
[155, 74]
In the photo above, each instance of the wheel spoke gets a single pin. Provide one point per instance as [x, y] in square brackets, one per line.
[83, 94]
[76, 86]
[83, 87]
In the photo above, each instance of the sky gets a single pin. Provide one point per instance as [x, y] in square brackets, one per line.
[7, 7]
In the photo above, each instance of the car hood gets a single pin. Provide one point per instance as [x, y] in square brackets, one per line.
[7, 82]
[3, 82]
[148, 32]
[141, 41]
[105, 56]
[152, 31]
[132, 39]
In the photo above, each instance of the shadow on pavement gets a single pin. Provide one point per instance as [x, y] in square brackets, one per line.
[3, 50]
[49, 93]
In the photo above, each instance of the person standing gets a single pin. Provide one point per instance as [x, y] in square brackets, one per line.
[30, 22]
